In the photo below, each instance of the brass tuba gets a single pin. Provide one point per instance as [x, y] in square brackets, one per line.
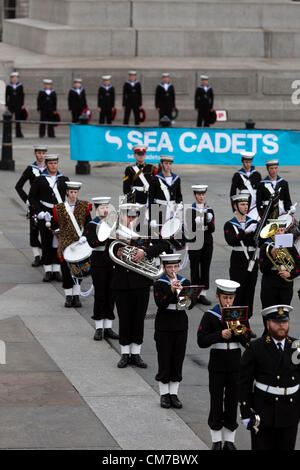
[144, 267]
[283, 260]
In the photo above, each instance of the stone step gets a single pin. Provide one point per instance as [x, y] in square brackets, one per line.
[61, 40]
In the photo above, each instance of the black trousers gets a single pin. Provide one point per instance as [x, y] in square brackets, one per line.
[273, 292]
[132, 308]
[274, 438]
[127, 113]
[34, 233]
[200, 261]
[203, 117]
[223, 389]
[105, 115]
[46, 116]
[75, 116]
[170, 347]
[165, 111]
[103, 294]
[245, 293]
[49, 254]
[17, 113]
[67, 280]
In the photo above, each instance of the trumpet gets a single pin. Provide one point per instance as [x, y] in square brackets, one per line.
[237, 327]
[183, 302]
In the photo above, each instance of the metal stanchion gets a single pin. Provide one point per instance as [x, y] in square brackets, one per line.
[83, 167]
[7, 163]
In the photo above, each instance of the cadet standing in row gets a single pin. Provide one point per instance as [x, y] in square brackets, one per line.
[77, 99]
[106, 100]
[14, 100]
[47, 106]
[204, 101]
[165, 97]
[132, 98]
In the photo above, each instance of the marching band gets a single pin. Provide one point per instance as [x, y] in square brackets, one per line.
[145, 243]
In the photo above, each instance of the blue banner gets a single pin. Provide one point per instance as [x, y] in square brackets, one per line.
[189, 146]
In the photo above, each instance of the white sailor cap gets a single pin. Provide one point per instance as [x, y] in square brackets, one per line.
[106, 77]
[101, 200]
[247, 155]
[272, 162]
[173, 258]
[14, 74]
[165, 74]
[47, 81]
[132, 209]
[204, 77]
[277, 312]
[281, 222]
[242, 196]
[77, 80]
[225, 286]
[42, 148]
[73, 185]
[199, 188]
[139, 148]
[166, 158]
[132, 72]
[51, 157]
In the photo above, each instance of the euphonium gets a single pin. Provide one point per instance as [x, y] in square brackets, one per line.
[144, 267]
[283, 260]
[183, 302]
[237, 327]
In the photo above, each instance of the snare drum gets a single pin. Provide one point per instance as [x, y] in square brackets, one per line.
[78, 257]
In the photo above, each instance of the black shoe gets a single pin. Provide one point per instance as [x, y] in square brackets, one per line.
[68, 302]
[19, 135]
[165, 401]
[56, 276]
[76, 301]
[36, 262]
[47, 277]
[124, 361]
[109, 333]
[203, 300]
[175, 402]
[229, 446]
[252, 335]
[98, 336]
[217, 445]
[136, 360]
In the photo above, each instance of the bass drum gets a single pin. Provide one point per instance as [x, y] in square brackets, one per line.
[78, 257]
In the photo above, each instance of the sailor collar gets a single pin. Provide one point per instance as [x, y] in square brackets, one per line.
[206, 86]
[234, 221]
[164, 84]
[45, 173]
[132, 83]
[162, 177]
[268, 180]
[96, 221]
[14, 85]
[77, 89]
[194, 206]
[215, 311]
[244, 172]
[106, 87]
[44, 90]
[165, 279]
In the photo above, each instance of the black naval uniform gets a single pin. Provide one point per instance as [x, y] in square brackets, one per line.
[31, 172]
[200, 259]
[14, 100]
[165, 99]
[131, 292]
[223, 368]
[132, 100]
[157, 196]
[106, 101]
[132, 180]
[240, 179]
[46, 104]
[263, 195]
[238, 270]
[263, 363]
[170, 331]
[76, 102]
[274, 289]
[102, 274]
[204, 100]
[41, 193]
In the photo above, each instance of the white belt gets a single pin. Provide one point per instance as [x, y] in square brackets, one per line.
[99, 248]
[172, 307]
[277, 390]
[163, 202]
[47, 204]
[226, 346]
[139, 188]
[240, 248]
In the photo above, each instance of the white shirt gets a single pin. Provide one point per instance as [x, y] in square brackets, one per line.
[169, 180]
[276, 342]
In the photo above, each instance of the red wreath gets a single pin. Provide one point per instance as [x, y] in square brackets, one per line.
[89, 113]
[212, 116]
[113, 114]
[142, 115]
[56, 118]
[24, 114]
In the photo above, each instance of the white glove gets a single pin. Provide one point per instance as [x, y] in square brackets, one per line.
[41, 215]
[47, 217]
[197, 220]
[292, 210]
[245, 422]
[209, 217]
[82, 240]
[251, 228]
[180, 206]
[27, 203]
[153, 223]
